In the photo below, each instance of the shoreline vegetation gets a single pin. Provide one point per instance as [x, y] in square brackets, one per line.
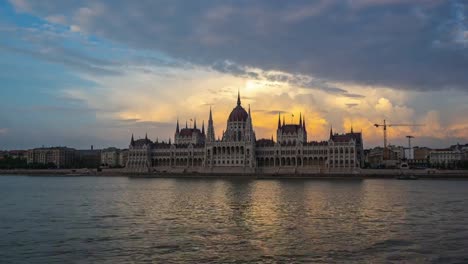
[363, 174]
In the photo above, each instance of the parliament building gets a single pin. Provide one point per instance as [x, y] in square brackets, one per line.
[237, 150]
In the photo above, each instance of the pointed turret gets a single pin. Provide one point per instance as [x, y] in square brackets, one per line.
[238, 98]
[194, 123]
[284, 122]
[210, 136]
[146, 137]
[331, 132]
[177, 127]
[300, 119]
[132, 141]
[186, 125]
[352, 132]
[203, 127]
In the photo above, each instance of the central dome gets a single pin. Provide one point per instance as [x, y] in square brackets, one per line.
[238, 114]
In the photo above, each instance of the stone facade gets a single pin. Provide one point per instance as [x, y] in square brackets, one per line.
[445, 157]
[238, 151]
[62, 157]
[110, 157]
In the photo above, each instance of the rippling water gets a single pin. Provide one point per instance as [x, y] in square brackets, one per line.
[115, 220]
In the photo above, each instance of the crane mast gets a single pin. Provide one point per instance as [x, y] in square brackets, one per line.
[384, 126]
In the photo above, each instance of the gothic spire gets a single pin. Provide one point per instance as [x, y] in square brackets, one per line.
[146, 137]
[177, 127]
[352, 129]
[331, 132]
[132, 141]
[203, 127]
[186, 125]
[284, 122]
[238, 98]
[300, 119]
[194, 123]
[210, 136]
[211, 117]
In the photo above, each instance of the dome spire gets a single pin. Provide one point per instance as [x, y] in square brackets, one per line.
[238, 97]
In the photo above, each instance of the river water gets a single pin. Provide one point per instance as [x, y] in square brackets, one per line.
[117, 220]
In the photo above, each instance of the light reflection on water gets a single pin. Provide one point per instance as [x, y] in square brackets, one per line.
[60, 219]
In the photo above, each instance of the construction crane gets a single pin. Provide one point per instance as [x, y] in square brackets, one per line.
[385, 125]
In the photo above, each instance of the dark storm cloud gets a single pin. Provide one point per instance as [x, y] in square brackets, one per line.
[419, 44]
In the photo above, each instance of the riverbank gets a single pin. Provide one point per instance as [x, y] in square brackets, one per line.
[362, 174]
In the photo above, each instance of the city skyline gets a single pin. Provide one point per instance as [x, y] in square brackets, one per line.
[94, 73]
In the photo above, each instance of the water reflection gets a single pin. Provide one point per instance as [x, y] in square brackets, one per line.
[220, 220]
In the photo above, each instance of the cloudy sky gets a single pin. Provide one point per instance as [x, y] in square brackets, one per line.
[92, 72]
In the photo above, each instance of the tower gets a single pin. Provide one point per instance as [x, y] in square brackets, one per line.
[210, 135]
[177, 127]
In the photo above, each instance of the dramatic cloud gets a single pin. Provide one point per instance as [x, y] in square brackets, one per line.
[416, 45]
[98, 71]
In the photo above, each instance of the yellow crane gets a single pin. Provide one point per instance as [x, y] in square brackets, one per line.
[385, 125]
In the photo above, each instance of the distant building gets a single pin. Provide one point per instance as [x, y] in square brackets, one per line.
[375, 157]
[114, 157]
[449, 157]
[61, 157]
[420, 157]
[238, 149]
[123, 157]
[88, 158]
[110, 157]
[394, 156]
[17, 154]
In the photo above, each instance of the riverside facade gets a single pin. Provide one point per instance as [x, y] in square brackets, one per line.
[238, 150]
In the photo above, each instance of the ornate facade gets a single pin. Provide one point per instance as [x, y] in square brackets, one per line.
[238, 150]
